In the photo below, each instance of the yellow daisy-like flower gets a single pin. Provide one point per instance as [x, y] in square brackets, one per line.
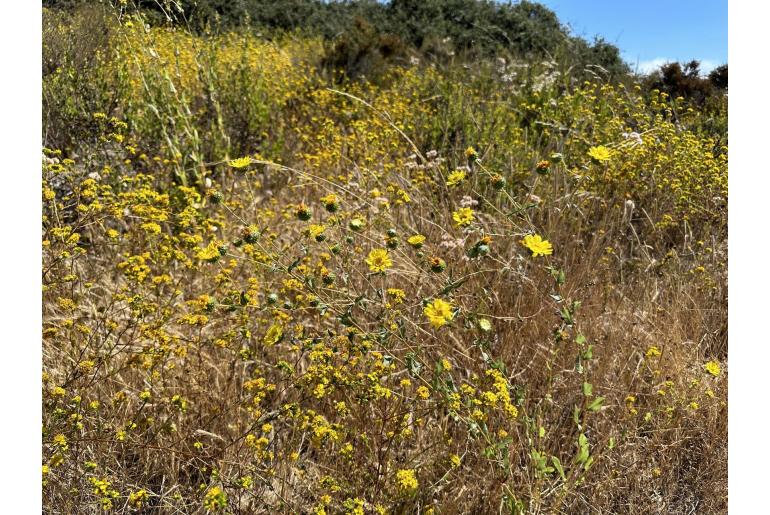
[241, 162]
[463, 216]
[537, 245]
[331, 198]
[455, 178]
[600, 153]
[416, 241]
[379, 260]
[439, 312]
[713, 368]
[210, 253]
[330, 202]
[316, 230]
[471, 153]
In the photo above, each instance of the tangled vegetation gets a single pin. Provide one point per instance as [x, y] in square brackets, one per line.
[472, 288]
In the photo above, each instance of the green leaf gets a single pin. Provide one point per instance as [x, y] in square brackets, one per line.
[583, 449]
[451, 286]
[596, 404]
[582, 456]
[413, 365]
[557, 464]
[588, 389]
[294, 264]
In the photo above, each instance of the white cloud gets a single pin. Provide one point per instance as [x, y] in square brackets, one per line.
[706, 65]
[650, 65]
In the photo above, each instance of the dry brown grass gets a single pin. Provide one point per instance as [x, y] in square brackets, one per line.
[189, 329]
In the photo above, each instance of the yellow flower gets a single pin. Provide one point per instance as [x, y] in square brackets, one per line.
[455, 178]
[330, 202]
[600, 153]
[416, 241]
[273, 335]
[316, 230]
[538, 246]
[138, 498]
[379, 260]
[653, 352]
[215, 499]
[151, 227]
[241, 162]
[463, 216]
[713, 368]
[439, 312]
[331, 198]
[210, 253]
[397, 294]
[406, 481]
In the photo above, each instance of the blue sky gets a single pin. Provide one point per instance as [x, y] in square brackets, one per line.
[652, 32]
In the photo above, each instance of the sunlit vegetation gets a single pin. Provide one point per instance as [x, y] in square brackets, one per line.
[465, 287]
